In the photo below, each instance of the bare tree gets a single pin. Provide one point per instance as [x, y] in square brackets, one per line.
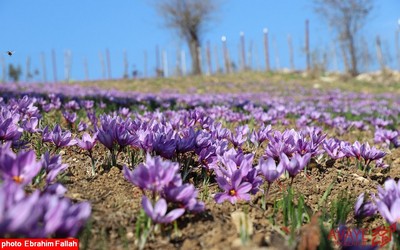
[189, 18]
[347, 18]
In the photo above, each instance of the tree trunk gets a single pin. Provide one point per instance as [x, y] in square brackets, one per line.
[344, 56]
[353, 56]
[194, 44]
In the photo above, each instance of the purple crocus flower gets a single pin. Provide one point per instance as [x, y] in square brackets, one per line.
[124, 138]
[92, 117]
[353, 150]
[87, 104]
[165, 145]
[234, 189]
[158, 213]
[62, 139]
[258, 137]
[30, 124]
[62, 218]
[82, 126]
[388, 201]
[106, 134]
[19, 216]
[296, 164]
[187, 142]
[333, 148]
[370, 154]
[232, 160]
[9, 131]
[69, 117]
[46, 134]
[390, 213]
[154, 174]
[270, 170]
[20, 168]
[39, 215]
[53, 166]
[72, 105]
[240, 137]
[185, 196]
[87, 142]
[56, 189]
[203, 140]
[389, 137]
[364, 209]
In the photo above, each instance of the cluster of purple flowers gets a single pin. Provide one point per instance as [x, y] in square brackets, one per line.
[39, 214]
[339, 149]
[389, 137]
[386, 202]
[171, 134]
[161, 178]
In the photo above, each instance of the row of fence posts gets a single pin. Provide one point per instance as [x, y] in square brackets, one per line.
[162, 68]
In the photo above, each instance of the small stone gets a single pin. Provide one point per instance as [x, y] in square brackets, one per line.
[360, 178]
[130, 235]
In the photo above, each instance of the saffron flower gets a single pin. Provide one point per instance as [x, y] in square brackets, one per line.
[185, 196]
[154, 174]
[270, 170]
[364, 209]
[158, 213]
[20, 168]
[87, 142]
[234, 189]
[53, 166]
[9, 131]
[388, 201]
[60, 138]
[370, 154]
[295, 165]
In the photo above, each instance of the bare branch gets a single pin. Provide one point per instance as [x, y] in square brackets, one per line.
[189, 18]
[346, 18]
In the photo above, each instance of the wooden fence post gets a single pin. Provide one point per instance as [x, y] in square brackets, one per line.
[226, 55]
[28, 74]
[165, 63]
[379, 53]
[103, 66]
[109, 76]
[243, 52]
[307, 45]
[208, 55]
[67, 65]
[145, 64]
[250, 56]
[276, 52]
[266, 50]
[216, 56]
[44, 72]
[126, 65]
[54, 63]
[291, 55]
[86, 68]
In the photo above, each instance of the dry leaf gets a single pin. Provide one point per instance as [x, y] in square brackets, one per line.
[310, 235]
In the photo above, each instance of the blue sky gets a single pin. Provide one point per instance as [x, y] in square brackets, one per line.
[88, 27]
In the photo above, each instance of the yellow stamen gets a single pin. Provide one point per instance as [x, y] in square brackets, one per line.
[232, 192]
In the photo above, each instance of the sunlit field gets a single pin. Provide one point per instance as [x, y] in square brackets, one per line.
[241, 161]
